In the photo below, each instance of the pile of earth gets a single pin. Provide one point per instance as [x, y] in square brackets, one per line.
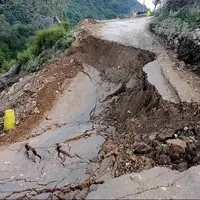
[149, 131]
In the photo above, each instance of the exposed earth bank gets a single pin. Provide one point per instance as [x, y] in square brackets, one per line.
[101, 114]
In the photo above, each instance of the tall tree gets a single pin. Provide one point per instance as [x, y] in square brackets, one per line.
[156, 2]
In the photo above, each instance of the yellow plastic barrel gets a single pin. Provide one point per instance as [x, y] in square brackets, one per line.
[9, 119]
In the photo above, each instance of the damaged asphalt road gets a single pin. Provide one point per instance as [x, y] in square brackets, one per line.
[64, 159]
[103, 136]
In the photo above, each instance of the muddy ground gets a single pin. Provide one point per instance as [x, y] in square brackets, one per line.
[89, 117]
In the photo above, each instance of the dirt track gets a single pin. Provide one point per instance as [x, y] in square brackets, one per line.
[107, 119]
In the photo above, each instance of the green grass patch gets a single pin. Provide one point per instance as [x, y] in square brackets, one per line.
[190, 15]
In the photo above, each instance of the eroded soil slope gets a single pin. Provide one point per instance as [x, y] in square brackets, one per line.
[150, 131]
[128, 127]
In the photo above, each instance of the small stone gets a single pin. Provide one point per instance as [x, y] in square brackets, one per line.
[186, 139]
[131, 84]
[165, 136]
[7, 163]
[27, 87]
[195, 36]
[175, 65]
[48, 118]
[72, 60]
[36, 110]
[177, 142]
[175, 56]
[197, 32]
[164, 188]
[192, 138]
[129, 112]
[133, 120]
[186, 128]
[21, 79]
[152, 136]
[181, 64]
[176, 136]
[142, 148]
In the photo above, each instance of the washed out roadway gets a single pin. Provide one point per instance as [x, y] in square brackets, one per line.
[174, 86]
[61, 157]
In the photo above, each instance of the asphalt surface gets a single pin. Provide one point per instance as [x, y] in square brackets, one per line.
[62, 152]
[174, 85]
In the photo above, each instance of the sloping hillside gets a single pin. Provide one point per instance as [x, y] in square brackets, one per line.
[101, 9]
[178, 23]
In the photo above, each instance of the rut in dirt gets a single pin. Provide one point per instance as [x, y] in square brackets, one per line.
[150, 131]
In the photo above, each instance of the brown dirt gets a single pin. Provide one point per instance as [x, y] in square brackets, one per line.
[116, 62]
[36, 93]
[143, 120]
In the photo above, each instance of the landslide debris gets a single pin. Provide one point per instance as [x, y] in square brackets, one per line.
[150, 131]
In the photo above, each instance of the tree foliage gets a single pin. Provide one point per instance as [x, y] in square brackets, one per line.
[20, 19]
[101, 9]
[156, 2]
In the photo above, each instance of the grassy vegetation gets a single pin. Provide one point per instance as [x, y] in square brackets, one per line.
[191, 16]
[45, 45]
[186, 14]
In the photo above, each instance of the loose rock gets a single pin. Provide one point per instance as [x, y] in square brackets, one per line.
[142, 148]
[177, 142]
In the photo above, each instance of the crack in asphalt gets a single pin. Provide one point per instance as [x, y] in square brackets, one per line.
[119, 91]
[93, 110]
[154, 188]
[62, 190]
[16, 180]
[85, 135]
[28, 149]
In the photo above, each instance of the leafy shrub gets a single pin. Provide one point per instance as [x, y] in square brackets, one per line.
[64, 43]
[32, 65]
[66, 25]
[24, 56]
[46, 45]
[191, 15]
[1, 58]
[46, 38]
[7, 65]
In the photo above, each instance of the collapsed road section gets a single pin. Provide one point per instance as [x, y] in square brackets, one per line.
[107, 122]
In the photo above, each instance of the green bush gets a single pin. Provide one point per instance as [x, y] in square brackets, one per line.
[1, 58]
[7, 65]
[46, 45]
[64, 43]
[46, 38]
[24, 56]
[191, 16]
[66, 25]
